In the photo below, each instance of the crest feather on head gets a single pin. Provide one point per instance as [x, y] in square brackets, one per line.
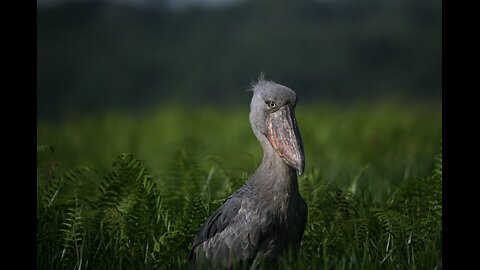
[254, 85]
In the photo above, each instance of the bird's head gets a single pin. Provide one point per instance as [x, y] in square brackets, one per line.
[272, 116]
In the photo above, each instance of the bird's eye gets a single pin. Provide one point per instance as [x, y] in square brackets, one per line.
[271, 104]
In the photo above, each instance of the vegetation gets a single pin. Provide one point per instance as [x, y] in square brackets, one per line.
[372, 183]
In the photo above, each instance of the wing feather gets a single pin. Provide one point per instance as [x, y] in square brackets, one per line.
[232, 230]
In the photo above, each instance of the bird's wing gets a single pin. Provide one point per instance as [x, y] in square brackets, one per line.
[233, 230]
[218, 220]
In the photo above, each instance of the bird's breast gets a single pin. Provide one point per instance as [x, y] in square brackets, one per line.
[279, 209]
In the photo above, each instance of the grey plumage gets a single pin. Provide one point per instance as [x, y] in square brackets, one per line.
[266, 217]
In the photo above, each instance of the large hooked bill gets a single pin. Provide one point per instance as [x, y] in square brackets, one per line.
[284, 135]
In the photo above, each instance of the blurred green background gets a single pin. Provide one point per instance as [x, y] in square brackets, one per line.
[135, 56]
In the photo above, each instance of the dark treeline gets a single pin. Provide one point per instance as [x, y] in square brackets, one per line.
[95, 55]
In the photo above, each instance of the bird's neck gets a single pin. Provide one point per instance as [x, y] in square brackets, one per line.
[274, 173]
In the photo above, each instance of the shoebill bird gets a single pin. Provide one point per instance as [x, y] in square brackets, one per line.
[266, 217]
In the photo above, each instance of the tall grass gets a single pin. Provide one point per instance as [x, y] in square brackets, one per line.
[146, 183]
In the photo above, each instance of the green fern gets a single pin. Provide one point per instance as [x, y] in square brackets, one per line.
[126, 171]
[184, 177]
[412, 217]
[195, 214]
[73, 236]
[129, 210]
[438, 165]
[57, 209]
[134, 221]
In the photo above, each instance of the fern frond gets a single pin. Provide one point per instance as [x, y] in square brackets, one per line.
[49, 193]
[73, 235]
[126, 171]
[184, 177]
[438, 165]
[195, 214]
